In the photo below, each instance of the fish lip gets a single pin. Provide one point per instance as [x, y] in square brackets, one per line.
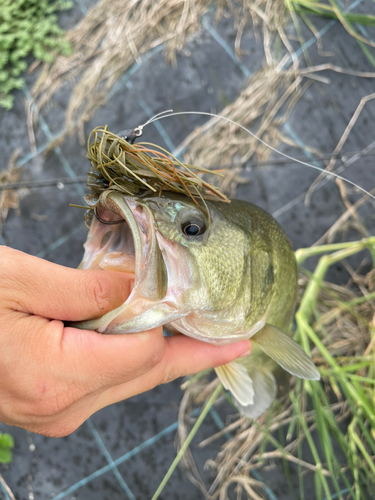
[117, 203]
[150, 272]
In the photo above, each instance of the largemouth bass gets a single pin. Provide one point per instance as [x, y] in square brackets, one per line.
[218, 277]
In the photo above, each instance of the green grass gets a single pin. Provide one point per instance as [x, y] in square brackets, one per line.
[27, 27]
[6, 446]
[305, 9]
[346, 379]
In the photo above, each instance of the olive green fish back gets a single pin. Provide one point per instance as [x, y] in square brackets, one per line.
[273, 273]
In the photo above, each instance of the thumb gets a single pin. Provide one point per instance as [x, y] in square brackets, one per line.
[39, 287]
[100, 361]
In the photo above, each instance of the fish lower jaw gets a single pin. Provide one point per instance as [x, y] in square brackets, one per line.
[139, 314]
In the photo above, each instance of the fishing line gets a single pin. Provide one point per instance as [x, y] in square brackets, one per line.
[59, 183]
[347, 158]
[166, 114]
[154, 118]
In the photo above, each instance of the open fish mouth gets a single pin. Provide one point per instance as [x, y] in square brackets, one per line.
[114, 240]
[122, 238]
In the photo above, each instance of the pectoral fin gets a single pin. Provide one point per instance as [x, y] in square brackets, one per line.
[235, 379]
[286, 352]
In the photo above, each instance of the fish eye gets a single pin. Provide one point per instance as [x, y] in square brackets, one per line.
[193, 227]
[106, 216]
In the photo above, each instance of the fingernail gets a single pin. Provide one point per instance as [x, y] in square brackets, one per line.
[248, 351]
[245, 354]
[144, 336]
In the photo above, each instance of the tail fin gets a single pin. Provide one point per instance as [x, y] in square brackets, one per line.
[253, 391]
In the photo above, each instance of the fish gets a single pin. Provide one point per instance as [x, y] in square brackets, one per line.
[217, 272]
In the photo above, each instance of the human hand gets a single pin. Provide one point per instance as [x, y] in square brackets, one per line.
[52, 377]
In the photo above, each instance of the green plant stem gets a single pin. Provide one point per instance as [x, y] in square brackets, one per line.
[363, 450]
[344, 250]
[367, 53]
[185, 446]
[304, 253]
[319, 9]
[313, 448]
[194, 378]
[347, 24]
[359, 300]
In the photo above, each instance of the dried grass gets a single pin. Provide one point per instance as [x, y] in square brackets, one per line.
[111, 37]
[9, 199]
[341, 143]
[7, 489]
[264, 104]
[116, 34]
[270, 92]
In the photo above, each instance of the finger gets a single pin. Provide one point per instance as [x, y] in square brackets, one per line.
[185, 356]
[63, 366]
[42, 288]
[99, 361]
[202, 356]
[182, 356]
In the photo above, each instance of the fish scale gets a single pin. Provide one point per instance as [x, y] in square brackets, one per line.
[223, 258]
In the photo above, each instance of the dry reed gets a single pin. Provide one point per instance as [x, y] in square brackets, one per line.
[111, 37]
[9, 199]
